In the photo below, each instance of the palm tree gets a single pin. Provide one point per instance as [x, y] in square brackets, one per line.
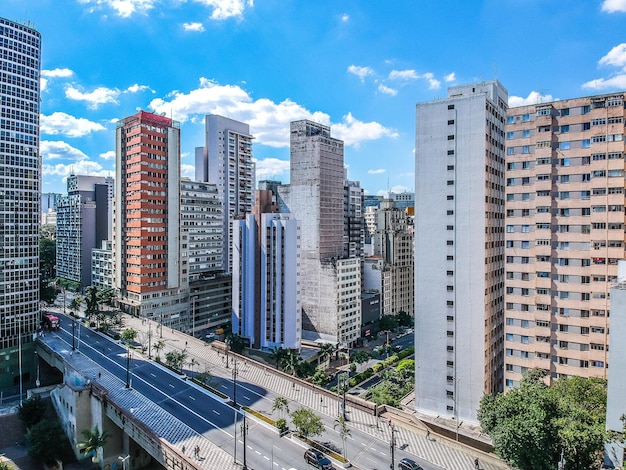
[75, 304]
[344, 432]
[93, 441]
[193, 363]
[326, 350]
[281, 404]
[290, 362]
[277, 355]
[158, 346]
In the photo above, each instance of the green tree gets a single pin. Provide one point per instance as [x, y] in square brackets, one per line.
[47, 258]
[360, 357]
[532, 424]
[388, 322]
[235, 343]
[305, 369]
[307, 423]
[404, 319]
[31, 411]
[320, 377]
[158, 346]
[44, 440]
[5, 466]
[386, 393]
[344, 432]
[278, 355]
[291, 362]
[205, 377]
[75, 305]
[94, 440]
[129, 335]
[281, 404]
[406, 369]
[326, 351]
[582, 409]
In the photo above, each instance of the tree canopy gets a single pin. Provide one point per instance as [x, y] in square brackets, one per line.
[532, 424]
[307, 423]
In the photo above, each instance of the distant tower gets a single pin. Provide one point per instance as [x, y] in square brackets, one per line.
[150, 267]
[20, 189]
[83, 223]
[459, 249]
[226, 161]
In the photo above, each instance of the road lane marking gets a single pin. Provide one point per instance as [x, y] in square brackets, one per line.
[217, 413]
[247, 398]
[192, 398]
[153, 375]
[171, 385]
[266, 457]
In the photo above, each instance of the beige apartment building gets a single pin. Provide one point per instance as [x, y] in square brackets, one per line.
[564, 234]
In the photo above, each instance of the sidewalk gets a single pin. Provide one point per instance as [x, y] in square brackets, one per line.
[438, 450]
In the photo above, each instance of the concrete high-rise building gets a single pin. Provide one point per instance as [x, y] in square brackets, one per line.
[331, 281]
[564, 234]
[226, 161]
[459, 250]
[266, 277]
[209, 287]
[84, 221]
[392, 241]
[150, 267]
[20, 189]
[354, 225]
[102, 265]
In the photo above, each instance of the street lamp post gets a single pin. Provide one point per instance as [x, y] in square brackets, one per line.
[235, 374]
[128, 369]
[149, 340]
[244, 431]
[124, 460]
[73, 334]
[19, 342]
[392, 444]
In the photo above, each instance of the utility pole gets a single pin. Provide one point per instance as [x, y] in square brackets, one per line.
[149, 340]
[73, 334]
[392, 444]
[244, 430]
[235, 372]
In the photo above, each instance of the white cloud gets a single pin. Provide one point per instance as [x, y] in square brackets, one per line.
[196, 26]
[188, 171]
[345, 18]
[359, 71]
[616, 56]
[353, 132]
[376, 172]
[403, 75]
[56, 73]
[108, 155]
[270, 168]
[449, 78]
[83, 167]
[223, 9]
[410, 74]
[612, 6]
[124, 8]
[100, 95]
[136, 88]
[53, 150]
[534, 97]
[70, 126]
[386, 90]
[269, 121]
[616, 82]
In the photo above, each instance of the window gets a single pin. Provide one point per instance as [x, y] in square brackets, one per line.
[564, 194]
[525, 149]
[450, 152]
[525, 117]
[564, 179]
[565, 112]
[564, 145]
[450, 106]
[510, 228]
[565, 128]
[586, 143]
[451, 137]
[541, 112]
[510, 119]
[585, 109]
[450, 121]
[525, 228]
[510, 135]
[526, 133]
[525, 165]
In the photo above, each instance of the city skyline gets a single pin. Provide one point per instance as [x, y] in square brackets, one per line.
[360, 70]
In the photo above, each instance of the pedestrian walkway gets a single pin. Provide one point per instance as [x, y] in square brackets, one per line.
[435, 449]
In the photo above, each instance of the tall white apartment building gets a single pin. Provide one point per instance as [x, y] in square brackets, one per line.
[266, 277]
[459, 249]
[564, 234]
[315, 196]
[20, 189]
[226, 161]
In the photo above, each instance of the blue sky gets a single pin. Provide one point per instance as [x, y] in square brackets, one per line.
[359, 66]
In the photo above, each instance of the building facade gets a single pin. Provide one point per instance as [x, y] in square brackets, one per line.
[150, 268]
[20, 189]
[459, 250]
[315, 196]
[564, 234]
[226, 161]
[102, 265]
[266, 292]
[84, 221]
[209, 286]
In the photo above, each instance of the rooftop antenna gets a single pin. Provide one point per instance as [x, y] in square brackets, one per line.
[540, 94]
[495, 70]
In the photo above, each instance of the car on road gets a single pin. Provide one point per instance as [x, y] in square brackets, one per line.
[317, 459]
[408, 464]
